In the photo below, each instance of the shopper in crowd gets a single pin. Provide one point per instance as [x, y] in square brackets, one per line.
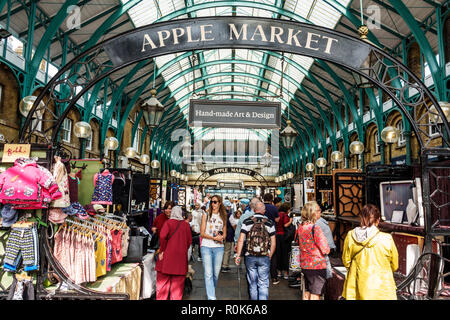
[234, 218]
[313, 248]
[247, 214]
[172, 263]
[272, 214]
[229, 240]
[196, 222]
[277, 202]
[283, 247]
[213, 231]
[161, 219]
[259, 233]
[370, 257]
[323, 224]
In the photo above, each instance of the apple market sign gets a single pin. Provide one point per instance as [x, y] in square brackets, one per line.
[236, 32]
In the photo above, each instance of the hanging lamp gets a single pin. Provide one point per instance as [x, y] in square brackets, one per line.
[152, 108]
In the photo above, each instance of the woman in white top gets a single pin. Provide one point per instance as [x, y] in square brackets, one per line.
[213, 231]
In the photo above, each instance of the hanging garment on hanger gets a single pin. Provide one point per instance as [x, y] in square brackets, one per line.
[61, 178]
[24, 241]
[103, 188]
[100, 256]
[73, 182]
[116, 244]
[27, 185]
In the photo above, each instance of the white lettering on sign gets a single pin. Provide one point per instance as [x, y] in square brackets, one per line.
[241, 32]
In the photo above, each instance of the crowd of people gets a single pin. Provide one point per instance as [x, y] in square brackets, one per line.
[260, 232]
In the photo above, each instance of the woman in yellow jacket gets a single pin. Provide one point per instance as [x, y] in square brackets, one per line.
[370, 257]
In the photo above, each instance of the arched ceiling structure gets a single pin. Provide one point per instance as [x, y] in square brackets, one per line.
[318, 94]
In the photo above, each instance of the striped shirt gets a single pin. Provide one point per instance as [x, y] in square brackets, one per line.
[248, 224]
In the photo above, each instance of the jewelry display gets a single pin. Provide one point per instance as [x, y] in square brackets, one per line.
[394, 197]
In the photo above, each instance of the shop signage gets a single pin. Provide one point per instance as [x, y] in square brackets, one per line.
[236, 32]
[239, 114]
[11, 152]
[249, 172]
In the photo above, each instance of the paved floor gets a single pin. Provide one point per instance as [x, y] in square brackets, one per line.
[228, 286]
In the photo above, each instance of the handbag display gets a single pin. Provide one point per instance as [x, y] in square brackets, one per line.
[136, 249]
[294, 259]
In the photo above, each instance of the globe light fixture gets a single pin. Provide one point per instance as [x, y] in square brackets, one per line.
[277, 179]
[82, 130]
[155, 164]
[356, 147]
[26, 104]
[434, 115]
[130, 152]
[152, 110]
[173, 173]
[390, 134]
[290, 175]
[284, 177]
[182, 176]
[337, 156]
[288, 135]
[309, 167]
[178, 175]
[144, 159]
[111, 143]
[321, 162]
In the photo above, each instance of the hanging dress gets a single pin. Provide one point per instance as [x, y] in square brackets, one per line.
[103, 189]
[60, 175]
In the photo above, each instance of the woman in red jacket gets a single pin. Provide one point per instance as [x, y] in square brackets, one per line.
[172, 264]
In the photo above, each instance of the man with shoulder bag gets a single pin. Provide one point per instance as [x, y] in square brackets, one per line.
[259, 233]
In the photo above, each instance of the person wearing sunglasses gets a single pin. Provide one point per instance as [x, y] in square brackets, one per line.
[212, 231]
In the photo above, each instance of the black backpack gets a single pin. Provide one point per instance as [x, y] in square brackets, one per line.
[258, 239]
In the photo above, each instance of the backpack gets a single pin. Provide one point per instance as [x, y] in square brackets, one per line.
[258, 239]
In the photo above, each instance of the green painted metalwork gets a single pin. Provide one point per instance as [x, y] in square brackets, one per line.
[116, 97]
[33, 64]
[425, 47]
[129, 107]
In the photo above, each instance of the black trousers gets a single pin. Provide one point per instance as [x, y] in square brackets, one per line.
[273, 264]
[196, 241]
[282, 253]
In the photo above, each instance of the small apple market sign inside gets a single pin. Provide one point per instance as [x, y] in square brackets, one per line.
[234, 114]
[236, 32]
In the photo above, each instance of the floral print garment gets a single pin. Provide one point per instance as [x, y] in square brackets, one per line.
[312, 250]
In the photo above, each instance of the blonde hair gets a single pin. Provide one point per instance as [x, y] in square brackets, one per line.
[309, 212]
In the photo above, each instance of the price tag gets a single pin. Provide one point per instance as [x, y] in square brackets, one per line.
[13, 151]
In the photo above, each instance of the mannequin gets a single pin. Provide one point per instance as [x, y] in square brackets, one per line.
[60, 175]
[103, 188]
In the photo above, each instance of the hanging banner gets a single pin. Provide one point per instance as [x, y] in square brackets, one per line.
[236, 32]
[235, 114]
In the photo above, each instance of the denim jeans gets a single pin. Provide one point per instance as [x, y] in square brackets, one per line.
[258, 271]
[212, 262]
